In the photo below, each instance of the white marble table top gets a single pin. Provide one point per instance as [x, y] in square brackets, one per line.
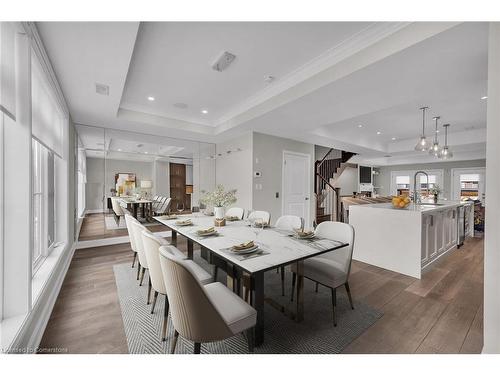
[279, 246]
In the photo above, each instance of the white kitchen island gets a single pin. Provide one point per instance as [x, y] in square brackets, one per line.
[406, 241]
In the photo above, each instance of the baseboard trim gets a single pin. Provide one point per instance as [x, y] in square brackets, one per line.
[112, 241]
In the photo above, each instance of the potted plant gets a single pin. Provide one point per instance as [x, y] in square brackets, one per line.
[435, 191]
[219, 200]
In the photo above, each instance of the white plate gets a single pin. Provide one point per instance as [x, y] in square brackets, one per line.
[246, 251]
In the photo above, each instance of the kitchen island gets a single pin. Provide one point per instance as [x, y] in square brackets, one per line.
[406, 241]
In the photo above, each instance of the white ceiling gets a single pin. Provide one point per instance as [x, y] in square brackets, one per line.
[330, 77]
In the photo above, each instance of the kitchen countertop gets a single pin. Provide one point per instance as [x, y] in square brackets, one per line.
[422, 208]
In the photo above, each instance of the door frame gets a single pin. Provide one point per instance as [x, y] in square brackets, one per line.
[470, 170]
[307, 219]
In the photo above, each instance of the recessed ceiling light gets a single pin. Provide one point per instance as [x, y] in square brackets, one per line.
[360, 126]
[204, 111]
[151, 98]
[484, 97]
[145, 152]
[393, 138]
[119, 149]
[378, 133]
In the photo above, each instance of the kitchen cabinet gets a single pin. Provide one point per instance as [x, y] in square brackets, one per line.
[439, 233]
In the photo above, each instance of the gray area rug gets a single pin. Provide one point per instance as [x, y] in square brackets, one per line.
[315, 335]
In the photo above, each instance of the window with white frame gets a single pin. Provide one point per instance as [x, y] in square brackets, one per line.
[402, 181]
[47, 124]
[43, 202]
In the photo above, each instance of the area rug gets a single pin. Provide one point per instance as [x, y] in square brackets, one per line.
[315, 335]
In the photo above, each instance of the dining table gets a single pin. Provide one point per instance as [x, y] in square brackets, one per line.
[276, 248]
[134, 205]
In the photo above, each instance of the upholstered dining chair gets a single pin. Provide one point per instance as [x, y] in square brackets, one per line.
[164, 207]
[117, 209]
[331, 269]
[138, 228]
[128, 220]
[235, 211]
[260, 215]
[289, 223]
[203, 313]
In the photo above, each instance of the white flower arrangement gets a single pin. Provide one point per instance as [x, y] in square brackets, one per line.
[435, 190]
[219, 197]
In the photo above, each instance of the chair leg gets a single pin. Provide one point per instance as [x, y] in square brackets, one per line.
[138, 270]
[348, 290]
[142, 276]
[155, 297]
[282, 281]
[316, 290]
[216, 269]
[149, 290]
[133, 260]
[165, 319]
[174, 342]
[334, 305]
[197, 348]
[251, 339]
[294, 279]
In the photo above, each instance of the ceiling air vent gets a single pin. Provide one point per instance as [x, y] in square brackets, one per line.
[102, 89]
[223, 61]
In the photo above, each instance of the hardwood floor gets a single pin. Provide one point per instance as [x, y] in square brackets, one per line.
[94, 228]
[442, 313]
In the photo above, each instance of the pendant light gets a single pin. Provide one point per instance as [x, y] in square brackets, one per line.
[422, 144]
[446, 152]
[436, 148]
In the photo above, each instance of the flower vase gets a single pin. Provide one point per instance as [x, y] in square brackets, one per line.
[435, 198]
[219, 212]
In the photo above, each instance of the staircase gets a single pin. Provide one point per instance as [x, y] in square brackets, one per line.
[327, 172]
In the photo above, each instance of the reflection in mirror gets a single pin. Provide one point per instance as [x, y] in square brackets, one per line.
[143, 175]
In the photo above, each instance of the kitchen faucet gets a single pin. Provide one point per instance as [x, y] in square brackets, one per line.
[416, 196]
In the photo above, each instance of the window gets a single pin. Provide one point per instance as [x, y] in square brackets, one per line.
[43, 202]
[403, 185]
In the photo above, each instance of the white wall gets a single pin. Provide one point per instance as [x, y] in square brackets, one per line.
[268, 159]
[161, 178]
[348, 181]
[492, 222]
[234, 170]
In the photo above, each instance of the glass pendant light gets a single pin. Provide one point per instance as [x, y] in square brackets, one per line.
[436, 148]
[446, 152]
[422, 144]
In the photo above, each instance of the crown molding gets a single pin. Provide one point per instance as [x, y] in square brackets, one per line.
[357, 42]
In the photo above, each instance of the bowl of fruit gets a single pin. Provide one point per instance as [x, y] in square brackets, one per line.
[400, 201]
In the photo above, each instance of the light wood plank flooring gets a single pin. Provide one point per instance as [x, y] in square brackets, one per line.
[93, 228]
[442, 313]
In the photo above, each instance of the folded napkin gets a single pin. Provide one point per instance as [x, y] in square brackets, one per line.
[243, 246]
[187, 221]
[304, 233]
[207, 230]
[232, 218]
[167, 217]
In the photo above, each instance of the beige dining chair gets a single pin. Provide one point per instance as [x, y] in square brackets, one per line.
[260, 215]
[203, 313]
[117, 210]
[288, 223]
[138, 228]
[330, 269]
[235, 212]
[128, 221]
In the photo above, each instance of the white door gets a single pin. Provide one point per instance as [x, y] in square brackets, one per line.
[296, 185]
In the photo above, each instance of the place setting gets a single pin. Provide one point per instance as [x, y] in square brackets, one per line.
[207, 232]
[246, 250]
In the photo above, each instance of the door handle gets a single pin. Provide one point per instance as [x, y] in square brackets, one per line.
[307, 198]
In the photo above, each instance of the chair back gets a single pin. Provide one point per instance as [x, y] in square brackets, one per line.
[289, 222]
[137, 229]
[131, 234]
[115, 204]
[260, 215]
[151, 244]
[193, 314]
[164, 206]
[236, 211]
[343, 232]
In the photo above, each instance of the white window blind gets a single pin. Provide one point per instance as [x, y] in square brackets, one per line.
[403, 180]
[47, 119]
